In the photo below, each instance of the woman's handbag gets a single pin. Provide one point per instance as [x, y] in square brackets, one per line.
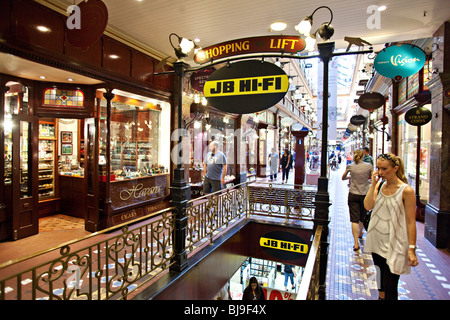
[366, 219]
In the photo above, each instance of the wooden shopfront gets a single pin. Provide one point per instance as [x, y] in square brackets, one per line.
[57, 158]
[56, 155]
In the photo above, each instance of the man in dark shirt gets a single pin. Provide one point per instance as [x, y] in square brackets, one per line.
[215, 167]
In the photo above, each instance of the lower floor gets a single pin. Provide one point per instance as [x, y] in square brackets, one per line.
[350, 274]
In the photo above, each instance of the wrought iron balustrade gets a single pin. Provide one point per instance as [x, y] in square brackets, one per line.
[108, 269]
[309, 284]
[282, 201]
[116, 265]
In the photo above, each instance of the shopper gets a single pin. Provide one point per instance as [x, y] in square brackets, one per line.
[286, 163]
[360, 172]
[289, 273]
[274, 159]
[367, 157]
[254, 291]
[215, 167]
[391, 238]
[349, 158]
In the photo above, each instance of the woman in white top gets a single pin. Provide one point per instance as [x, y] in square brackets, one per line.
[391, 237]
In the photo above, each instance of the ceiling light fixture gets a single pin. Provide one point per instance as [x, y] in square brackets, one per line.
[278, 26]
[325, 31]
[382, 8]
[43, 29]
[113, 56]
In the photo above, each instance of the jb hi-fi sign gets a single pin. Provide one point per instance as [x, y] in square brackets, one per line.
[252, 85]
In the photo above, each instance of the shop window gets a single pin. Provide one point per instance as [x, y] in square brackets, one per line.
[408, 152]
[214, 127]
[16, 103]
[63, 98]
[135, 140]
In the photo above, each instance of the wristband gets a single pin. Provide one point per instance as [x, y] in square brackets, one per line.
[412, 246]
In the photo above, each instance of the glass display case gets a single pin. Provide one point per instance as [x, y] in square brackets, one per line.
[47, 142]
[25, 165]
[138, 167]
[134, 142]
[11, 106]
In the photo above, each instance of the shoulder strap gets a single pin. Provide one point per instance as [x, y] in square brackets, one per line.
[379, 187]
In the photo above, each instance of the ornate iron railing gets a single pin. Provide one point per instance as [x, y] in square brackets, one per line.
[282, 201]
[209, 214]
[108, 269]
[309, 284]
[115, 266]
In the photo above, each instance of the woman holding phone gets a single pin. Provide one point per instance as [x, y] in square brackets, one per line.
[391, 237]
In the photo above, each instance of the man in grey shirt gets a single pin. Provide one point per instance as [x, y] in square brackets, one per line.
[215, 166]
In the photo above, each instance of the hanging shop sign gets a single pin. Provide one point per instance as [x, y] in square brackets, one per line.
[246, 86]
[87, 23]
[287, 121]
[283, 245]
[399, 61]
[199, 77]
[418, 116]
[371, 100]
[284, 44]
[358, 120]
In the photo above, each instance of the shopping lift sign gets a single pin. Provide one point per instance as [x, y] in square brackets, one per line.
[246, 86]
[285, 44]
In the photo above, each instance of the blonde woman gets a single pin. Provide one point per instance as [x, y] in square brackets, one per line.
[360, 172]
[391, 238]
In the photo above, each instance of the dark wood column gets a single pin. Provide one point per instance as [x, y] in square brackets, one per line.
[299, 164]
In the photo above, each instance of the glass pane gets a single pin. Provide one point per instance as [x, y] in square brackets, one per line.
[134, 141]
[91, 157]
[8, 126]
[63, 98]
[25, 160]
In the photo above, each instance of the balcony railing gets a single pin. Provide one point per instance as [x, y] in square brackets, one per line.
[309, 285]
[114, 263]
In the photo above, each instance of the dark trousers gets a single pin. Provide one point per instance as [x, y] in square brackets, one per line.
[285, 173]
[210, 186]
[388, 282]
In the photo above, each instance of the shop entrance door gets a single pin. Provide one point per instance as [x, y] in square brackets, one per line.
[24, 176]
[91, 172]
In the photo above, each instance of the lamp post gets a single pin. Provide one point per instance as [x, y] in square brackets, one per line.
[179, 189]
[322, 198]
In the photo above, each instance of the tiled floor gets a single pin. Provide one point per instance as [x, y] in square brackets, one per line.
[351, 275]
[60, 222]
